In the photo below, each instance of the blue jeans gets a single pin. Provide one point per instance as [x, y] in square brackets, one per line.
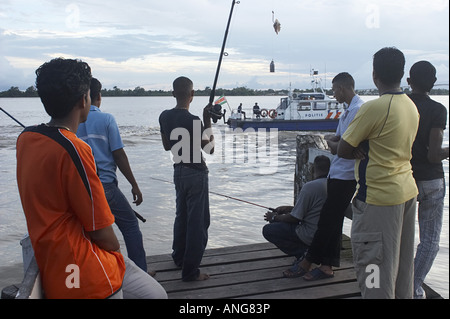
[284, 236]
[190, 230]
[128, 224]
[430, 213]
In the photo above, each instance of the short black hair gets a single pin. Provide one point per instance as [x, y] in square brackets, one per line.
[344, 79]
[389, 65]
[322, 164]
[182, 87]
[423, 75]
[61, 83]
[96, 88]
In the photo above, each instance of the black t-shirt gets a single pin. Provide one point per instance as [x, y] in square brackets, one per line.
[432, 115]
[186, 130]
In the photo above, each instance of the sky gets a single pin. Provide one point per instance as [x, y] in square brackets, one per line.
[149, 43]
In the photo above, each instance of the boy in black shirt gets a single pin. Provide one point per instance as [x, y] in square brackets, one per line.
[427, 156]
[185, 136]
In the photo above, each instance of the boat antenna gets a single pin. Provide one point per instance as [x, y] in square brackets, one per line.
[222, 52]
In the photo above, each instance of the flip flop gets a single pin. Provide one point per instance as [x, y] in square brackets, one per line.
[317, 274]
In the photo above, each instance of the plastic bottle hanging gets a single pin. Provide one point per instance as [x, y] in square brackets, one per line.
[272, 67]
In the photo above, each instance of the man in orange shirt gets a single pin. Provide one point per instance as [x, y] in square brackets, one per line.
[68, 216]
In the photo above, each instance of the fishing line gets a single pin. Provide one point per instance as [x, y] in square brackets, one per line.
[222, 195]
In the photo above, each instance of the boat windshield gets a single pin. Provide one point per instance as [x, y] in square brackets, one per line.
[310, 96]
[283, 103]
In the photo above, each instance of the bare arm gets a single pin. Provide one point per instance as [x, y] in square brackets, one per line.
[435, 151]
[345, 150]
[165, 142]
[105, 238]
[282, 214]
[332, 141]
[121, 159]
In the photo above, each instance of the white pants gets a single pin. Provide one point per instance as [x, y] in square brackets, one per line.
[137, 284]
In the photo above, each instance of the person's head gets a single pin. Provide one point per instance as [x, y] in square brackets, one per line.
[61, 84]
[321, 166]
[96, 88]
[183, 89]
[422, 76]
[343, 86]
[388, 67]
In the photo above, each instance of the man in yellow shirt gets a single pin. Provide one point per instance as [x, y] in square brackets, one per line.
[380, 138]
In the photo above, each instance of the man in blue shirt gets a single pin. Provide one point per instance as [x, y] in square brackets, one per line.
[101, 132]
[326, 245]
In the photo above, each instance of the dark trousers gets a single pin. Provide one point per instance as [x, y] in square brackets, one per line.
[284, 236]
[326, 245]
[127, 222]
[190, 230]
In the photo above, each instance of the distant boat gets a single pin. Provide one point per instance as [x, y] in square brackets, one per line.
[311, 111]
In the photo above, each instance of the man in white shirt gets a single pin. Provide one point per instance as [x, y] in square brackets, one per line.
[326, 245]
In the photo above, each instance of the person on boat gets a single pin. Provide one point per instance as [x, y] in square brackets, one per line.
[68, 217]
[101, 132]
[292, 229]
[186, 137]
[326, 246]
[427, 156]
[257, 111]
[384, 206]
[239, 110]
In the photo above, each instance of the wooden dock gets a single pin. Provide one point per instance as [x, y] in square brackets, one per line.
[254, 272]
[240, 272]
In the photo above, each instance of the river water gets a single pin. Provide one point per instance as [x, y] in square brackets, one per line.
[266, 179]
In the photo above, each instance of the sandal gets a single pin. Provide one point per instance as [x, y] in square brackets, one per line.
[317, 274]
[295, 271]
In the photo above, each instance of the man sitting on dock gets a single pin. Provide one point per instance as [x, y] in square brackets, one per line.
[68, 216]
[292, 229]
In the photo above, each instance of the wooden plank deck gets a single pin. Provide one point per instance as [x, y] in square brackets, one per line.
[253, 272]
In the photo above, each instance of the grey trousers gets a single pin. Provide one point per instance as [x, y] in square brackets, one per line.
[383, 249]
[137, 284]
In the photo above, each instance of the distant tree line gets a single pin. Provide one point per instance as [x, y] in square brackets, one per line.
[14, 91]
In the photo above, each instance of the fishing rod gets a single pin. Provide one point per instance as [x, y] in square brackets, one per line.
[218, 194]
[216, 111]
[12, 117]
[138, 216]
[222, 52]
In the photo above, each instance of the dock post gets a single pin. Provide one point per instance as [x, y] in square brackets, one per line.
[309, 145]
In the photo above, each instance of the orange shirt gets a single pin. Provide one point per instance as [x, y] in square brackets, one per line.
[62, 197]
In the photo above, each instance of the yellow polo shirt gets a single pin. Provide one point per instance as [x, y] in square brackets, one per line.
[386, 128]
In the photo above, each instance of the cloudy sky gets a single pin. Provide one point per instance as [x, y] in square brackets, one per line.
[149, 43]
